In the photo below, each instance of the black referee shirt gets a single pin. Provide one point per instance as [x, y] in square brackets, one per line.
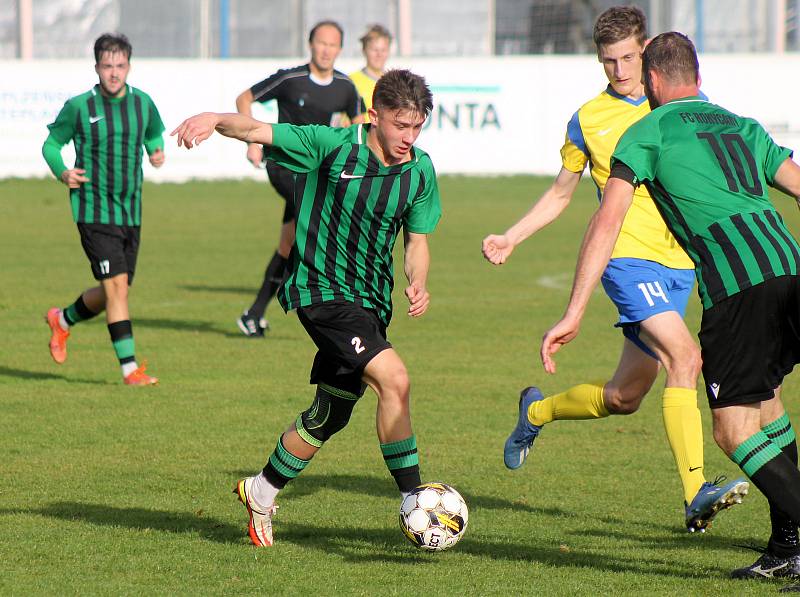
[302, 101]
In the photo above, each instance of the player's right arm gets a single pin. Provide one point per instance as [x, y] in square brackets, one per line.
[598, 244]
[200, 127]
[61, 132]
[787, 179]
[497, 248]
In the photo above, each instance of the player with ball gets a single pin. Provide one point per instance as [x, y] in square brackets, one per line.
[356, 188]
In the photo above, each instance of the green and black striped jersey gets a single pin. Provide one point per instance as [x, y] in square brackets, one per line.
[708, 171]
[108, 134]
[349, 209]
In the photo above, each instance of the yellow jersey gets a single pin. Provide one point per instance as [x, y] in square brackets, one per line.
[592, 134]
[365, 85]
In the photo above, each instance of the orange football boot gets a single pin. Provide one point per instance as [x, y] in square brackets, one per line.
[140, 378]
[58, 336]
[260, 525]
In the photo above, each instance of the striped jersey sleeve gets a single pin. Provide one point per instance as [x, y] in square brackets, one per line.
[302, 148]
[154, 133]
[426, 208]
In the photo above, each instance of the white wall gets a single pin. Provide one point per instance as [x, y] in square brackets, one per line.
[492, 116]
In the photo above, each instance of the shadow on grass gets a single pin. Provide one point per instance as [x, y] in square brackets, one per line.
[180, 325]
[673, 537]
[381, 545]
[45, 376]
[358, 545]
[221, 289]
[200, 327]
[141, 519]
[309, 484]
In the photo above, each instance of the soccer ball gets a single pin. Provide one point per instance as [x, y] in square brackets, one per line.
[434, 516]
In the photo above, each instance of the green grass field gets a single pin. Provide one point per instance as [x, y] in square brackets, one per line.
[114, 490]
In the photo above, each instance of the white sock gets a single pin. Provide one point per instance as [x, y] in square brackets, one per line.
[62, 322]
[128, 368]
[263, 492]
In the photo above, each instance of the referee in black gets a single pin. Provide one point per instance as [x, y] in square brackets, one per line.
[313, 93]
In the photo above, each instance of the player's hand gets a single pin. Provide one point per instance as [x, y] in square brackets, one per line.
[558, 335]
[196, 129]
[418, 299]
[497, 248]
[157, 158]
[74, 177]
[255, 154]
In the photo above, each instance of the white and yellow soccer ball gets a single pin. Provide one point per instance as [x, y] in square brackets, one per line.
[434, 516]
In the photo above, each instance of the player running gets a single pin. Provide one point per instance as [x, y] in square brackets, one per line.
[313, 93]
[108, 125]
[708, 170]
[356, 188]
[649, 279]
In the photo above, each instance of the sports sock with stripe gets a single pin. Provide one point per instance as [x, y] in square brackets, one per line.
[121, 333]
[684, 428]
[282, 467]
[783, 541]
[584, 401]
[772, 472]
[402, 460]
[75, 313]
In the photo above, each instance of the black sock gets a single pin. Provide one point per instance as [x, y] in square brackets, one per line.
[779, 481]
[273, 276]
[784, 541]
[121, 333]
[77, 311]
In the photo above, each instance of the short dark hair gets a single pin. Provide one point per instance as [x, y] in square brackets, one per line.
[672, 55]
[401, 89]
[375, 31]
[333, 24]
[112, 42]
[618, 23]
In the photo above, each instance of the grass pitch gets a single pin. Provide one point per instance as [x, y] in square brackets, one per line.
[114, 490]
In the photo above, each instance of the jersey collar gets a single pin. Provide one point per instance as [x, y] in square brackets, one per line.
[610, 91]
[96, 92]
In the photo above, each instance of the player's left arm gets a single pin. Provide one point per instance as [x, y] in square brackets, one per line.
[598, 244]
[200, 127]
[416, 262]
[787, 179]
[154, 137]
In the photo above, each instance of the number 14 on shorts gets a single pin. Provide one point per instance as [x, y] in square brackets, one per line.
[652, 290]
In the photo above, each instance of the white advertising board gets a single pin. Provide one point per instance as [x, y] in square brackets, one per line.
[501, 115]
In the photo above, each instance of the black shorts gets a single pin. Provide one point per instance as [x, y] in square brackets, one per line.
[282, 180]
[750, 342]
[348, 337]
[112, 250]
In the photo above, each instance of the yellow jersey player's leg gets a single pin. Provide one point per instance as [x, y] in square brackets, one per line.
[649, 279]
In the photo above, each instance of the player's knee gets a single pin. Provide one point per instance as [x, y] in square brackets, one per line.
[687, 363]
[625, 401]
[619, 406]
[329, 413]
[731, 432]
[724, 440]
[397, 385]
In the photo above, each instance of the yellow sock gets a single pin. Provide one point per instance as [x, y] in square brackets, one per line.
[584, 401]
[685, 434]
